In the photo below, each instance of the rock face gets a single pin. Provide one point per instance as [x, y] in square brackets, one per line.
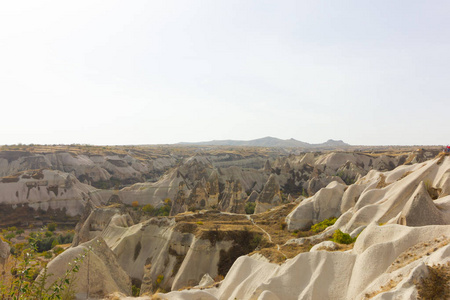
[44, 190]
[209, 180]
[97, 220]
[180, 258]
[168, 253]
[323, 205]
[233, 198]
[270, 195]
[164, 253]
[4, 251]
[99, 273]
[420, 210]
[88, 168]
[378, 265]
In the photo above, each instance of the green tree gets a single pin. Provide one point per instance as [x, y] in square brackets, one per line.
[250, 208]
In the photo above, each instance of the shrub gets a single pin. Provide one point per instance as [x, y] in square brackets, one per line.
[323, 225]
[51, 227]
[250, 208]
[10, 235]
[12, 228]
[256, 240]
[54, 243]
[24, 283]
[342, 238]
[164, 210]
[158, 281]
[135, 291]
[58, 250]
[148, 208]
[435, 284]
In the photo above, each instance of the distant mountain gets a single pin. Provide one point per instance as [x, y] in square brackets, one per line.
[270, 142]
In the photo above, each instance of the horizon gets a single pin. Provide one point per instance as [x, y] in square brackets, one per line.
[156, 73]
[196, 143]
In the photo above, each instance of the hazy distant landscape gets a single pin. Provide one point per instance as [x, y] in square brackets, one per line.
[224, 150]
[166, 218]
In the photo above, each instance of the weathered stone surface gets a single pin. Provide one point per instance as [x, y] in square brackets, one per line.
[420, 210]
[364, 270]
[99, 274]
[206, 281]
[324, 246]
[233, 198]
[4, 251]
[47, 189]
[323, 205]
[270, 195]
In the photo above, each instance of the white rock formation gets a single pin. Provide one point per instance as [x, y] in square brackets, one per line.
[378, 257]
[155, 247]
[382, 197]
[43, 189]
[99, 273]
[323, 205]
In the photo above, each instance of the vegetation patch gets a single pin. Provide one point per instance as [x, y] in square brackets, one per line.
[323, 225]
[342, 238]
[250, 208]
[418, 251]
[384, 288]
[135, 287]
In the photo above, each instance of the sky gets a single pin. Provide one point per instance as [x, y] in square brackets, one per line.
[158, 72]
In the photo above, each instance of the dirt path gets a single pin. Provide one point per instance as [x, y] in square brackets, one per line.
[249, 217]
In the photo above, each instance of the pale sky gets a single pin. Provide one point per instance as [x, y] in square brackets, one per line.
[151, 72]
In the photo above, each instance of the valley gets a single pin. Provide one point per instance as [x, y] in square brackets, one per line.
[225, 222]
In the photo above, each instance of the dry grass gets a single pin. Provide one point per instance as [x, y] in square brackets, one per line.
[441, 156]
[418, 251]
[202, 223]
[224, 226]
[437, 284]
[340, 247]
[404, 175]
[384, 288]
[410, 159]
[382, 183]
[273, 221]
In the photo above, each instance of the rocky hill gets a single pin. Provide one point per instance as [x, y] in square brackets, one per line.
[273, 142]
[224, 179]
[400, 220]
[401, 223]
[387, 217]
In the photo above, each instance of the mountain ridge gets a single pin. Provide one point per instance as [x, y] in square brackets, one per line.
[268, 141]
